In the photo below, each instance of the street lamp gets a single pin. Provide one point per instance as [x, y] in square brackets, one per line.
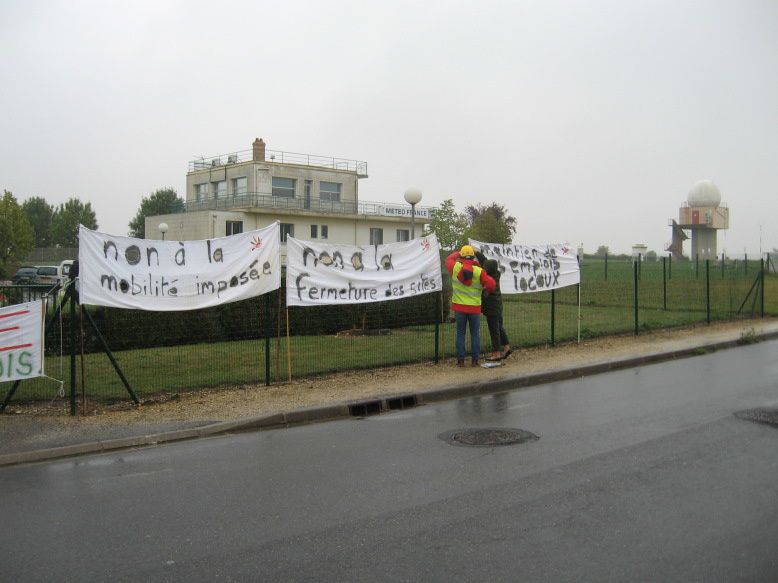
[163, 229]
[413, 197]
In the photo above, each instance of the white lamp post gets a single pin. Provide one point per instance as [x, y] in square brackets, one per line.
[413, 197]
[163, 229]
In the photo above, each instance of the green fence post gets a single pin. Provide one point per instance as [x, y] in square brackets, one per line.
[745, 264]
[707, 290]
[640, 265]
[606, 267]
[761, 277]
[73, 354]
[722, 266]
[438, 316]
[553, 339]
[669, 266]
[267, 339]
[697, 265]
[664, 283]
[635, 294]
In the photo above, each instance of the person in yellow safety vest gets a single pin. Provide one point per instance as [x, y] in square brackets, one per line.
[468, 279]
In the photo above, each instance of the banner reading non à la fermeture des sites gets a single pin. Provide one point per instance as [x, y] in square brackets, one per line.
[319, 274]
[145, 274]
[532, 268]
[21, 341]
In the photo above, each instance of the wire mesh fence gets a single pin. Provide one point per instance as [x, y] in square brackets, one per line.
[260, 342]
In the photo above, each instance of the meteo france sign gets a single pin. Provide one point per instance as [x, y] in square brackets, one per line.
[402, 211]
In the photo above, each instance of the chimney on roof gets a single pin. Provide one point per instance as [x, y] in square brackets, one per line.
[259, 150]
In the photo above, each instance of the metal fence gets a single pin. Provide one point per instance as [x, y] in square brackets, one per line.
[18, 294]
[259, 342]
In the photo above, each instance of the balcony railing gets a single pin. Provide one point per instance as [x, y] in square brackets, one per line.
[302, 203]
[277, 156]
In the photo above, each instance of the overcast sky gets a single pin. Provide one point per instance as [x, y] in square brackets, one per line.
[589, 120]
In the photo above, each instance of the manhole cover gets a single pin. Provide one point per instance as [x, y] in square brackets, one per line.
[764, 415]
[487, 437]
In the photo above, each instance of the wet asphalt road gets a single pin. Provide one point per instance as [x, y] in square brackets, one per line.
[638, 475]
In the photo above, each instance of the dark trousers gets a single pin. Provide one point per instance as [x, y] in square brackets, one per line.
[497, 332]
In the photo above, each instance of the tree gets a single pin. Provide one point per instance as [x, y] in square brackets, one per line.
[16, 235]
[602, 251]
[39, 214]
[651, 256]
[490, 223]
[161, 202]
[67, 217]
[449, 226]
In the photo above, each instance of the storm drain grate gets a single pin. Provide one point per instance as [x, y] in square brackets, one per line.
[762, 415]
[401, 402]
[365, 409]
[487, 437]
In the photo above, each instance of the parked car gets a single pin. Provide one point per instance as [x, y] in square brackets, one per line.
[25, 275]
[49, 274]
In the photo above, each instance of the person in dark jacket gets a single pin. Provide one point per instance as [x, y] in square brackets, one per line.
[491, 308]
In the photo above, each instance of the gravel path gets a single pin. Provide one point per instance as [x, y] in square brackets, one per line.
[26, 427]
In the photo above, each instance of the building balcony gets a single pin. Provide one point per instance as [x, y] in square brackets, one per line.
[279, 157]
[264, 201]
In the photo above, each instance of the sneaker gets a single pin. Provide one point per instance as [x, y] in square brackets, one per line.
[460, 363]
[474, 362]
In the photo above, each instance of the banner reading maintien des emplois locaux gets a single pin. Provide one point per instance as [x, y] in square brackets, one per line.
[532, 268]
[145, 274]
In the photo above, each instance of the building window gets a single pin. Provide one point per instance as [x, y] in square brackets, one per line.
[201, 191]
[283, 186]
[324, 231]
[239, 186]
[219, 188]
[403, 235]
[376, 236]
[234, 228]
[329, 191]
[314, 231]
[287, 230]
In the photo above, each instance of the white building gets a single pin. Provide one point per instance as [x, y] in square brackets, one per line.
[639, 251]
[313, 197]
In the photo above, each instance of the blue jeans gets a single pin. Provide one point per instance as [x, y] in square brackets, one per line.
[463, 321]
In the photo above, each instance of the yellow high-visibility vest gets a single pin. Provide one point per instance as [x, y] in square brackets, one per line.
[467, 295]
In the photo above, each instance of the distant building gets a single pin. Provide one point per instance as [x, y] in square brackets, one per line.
[639, 251]
[703, 214]
[313, 197]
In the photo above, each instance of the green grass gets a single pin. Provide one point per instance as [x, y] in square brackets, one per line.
[606, 308]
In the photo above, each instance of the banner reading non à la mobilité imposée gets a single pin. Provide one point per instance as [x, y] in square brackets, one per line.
[319, 274]
[145, 274]
[532, 268]
[21, 341]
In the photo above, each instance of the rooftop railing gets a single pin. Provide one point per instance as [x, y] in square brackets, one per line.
[277, 156]
[303, 203]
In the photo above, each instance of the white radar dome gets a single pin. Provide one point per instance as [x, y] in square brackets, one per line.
[704, 193]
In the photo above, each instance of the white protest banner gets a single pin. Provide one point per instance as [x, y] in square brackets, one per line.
[21, 341]
[319, 274]
[146, 274]
[532, 268]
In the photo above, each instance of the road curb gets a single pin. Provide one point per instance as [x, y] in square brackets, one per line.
[376, 404]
